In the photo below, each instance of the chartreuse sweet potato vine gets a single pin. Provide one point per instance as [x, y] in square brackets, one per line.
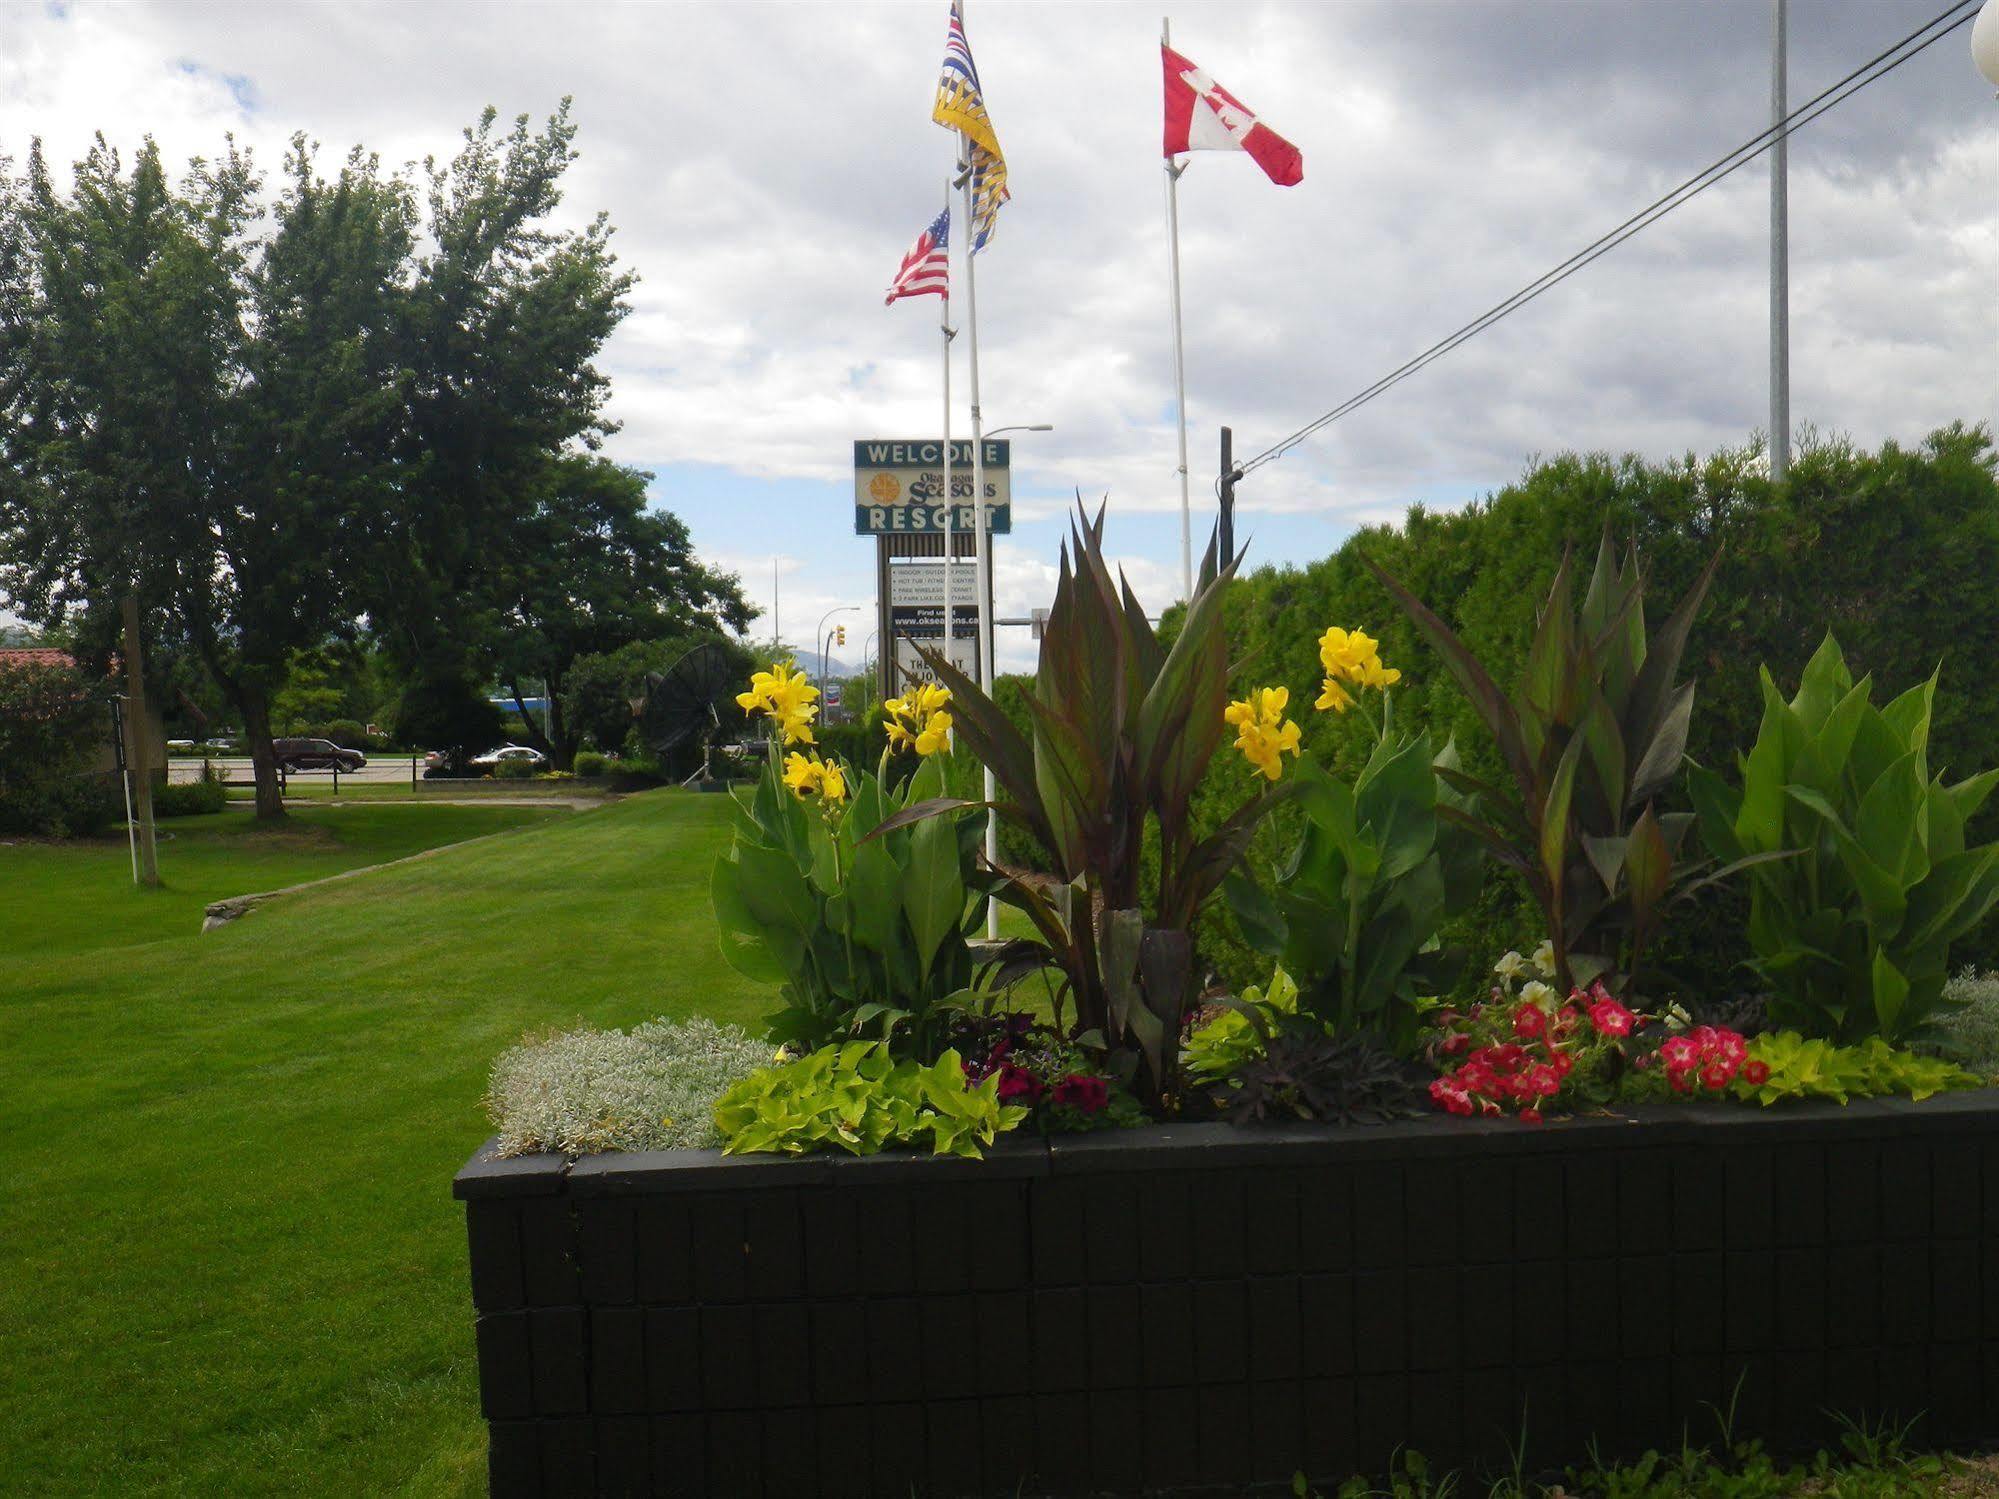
[858, 1098]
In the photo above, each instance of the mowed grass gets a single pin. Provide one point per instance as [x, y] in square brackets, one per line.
[79, 896]
[229, 1258]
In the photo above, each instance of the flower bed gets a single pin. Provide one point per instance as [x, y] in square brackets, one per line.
[1201, 1305]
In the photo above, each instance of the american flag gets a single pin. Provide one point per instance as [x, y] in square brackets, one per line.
[926, 269]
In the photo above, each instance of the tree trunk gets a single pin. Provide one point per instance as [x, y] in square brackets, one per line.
[562, 743]
[535, 736]
[256, 706]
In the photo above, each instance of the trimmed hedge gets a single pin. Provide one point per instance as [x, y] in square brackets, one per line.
[188, 799]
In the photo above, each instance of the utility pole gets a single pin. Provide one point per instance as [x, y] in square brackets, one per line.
[1226, 492]
[1780, 271]
[138, 751]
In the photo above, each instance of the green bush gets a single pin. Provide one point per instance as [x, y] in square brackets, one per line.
[52, 730]
[859, 1099]
[189, 799]
[1968, 1033]
[514, 770]
[590, 763]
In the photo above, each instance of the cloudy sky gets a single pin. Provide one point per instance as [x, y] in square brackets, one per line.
[766, 165]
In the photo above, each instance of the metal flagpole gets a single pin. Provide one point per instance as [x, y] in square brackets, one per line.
[981, 538]
[1173, 171]
[950, 504]
[1780, 271]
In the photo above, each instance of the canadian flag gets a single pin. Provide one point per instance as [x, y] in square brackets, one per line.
[1201, 115]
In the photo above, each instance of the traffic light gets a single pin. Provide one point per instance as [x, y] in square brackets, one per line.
[839, 634]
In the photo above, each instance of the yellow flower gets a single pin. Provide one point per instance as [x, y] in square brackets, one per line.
[787, 697]
[1351, 657]
[1263, 733]
[917, 719]
[936, 734]
[1343, 652]
[809, 776]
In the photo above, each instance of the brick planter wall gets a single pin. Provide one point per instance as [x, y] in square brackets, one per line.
[1198, 1306]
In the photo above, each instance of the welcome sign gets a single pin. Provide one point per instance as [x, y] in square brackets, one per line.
[899, 487]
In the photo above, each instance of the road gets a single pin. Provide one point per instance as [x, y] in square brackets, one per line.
[377, 771]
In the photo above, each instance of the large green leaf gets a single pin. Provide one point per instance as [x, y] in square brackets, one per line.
[933, 898]
[1890, 990]
[1652, 693]
[1958, 894]
[745, 942]
[1553, 841]
[1397, 797]
[1659, 761]
[1717, 807]
[1892, 824]
[1648, 865]
[1759, 824]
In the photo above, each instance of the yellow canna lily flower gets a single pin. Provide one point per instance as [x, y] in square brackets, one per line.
[936, 735]
[1333, 696]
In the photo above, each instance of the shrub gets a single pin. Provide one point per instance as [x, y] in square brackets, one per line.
[1304, 1070]
[189, 799]
[1868, 876]
[590, 763]
[52, 728]
[589, 1090]
[1219, 1045]
[514, 770]
[859, 1099]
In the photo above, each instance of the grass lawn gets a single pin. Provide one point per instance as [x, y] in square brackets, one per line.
[229, 1258]
[77, 897]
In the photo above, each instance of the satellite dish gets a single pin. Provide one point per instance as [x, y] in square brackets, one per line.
[679, 704]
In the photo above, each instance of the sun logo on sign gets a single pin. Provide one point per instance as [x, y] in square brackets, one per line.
[884, 490]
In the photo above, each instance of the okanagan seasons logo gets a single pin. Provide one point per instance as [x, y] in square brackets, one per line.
[884, 489]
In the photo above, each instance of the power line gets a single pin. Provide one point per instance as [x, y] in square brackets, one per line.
[1721, 167]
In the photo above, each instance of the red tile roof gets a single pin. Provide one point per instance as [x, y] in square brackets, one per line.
[34, 656]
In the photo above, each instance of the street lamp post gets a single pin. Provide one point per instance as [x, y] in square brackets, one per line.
[985, 678]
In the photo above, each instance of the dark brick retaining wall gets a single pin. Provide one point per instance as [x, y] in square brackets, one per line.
[1200, 1306]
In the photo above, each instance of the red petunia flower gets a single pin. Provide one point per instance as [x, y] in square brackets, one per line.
[1529, 1021]
[1611, 1018]
[1756, 1074]
[1018, 1085]
[1081, 1091]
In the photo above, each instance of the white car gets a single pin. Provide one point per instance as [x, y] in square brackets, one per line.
[507, 752]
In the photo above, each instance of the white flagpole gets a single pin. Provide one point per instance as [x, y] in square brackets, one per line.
[950, 505]
[1173, 171]
[981, 539]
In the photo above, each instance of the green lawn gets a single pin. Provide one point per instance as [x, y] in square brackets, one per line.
[76, 897]
[229, 1258]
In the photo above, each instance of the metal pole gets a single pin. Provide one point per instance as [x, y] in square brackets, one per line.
[950, 500]
[981, 538]
[1226, 493]
[1780, 272]
[1173, 171]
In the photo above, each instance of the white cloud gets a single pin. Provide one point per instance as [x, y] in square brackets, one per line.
[767, 165]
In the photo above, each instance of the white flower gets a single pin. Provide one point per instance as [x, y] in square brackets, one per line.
[1511, 966]
[1537, 993]
[1544, 958]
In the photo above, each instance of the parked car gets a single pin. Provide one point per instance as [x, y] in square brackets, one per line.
[315, 754]
[506, 752]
